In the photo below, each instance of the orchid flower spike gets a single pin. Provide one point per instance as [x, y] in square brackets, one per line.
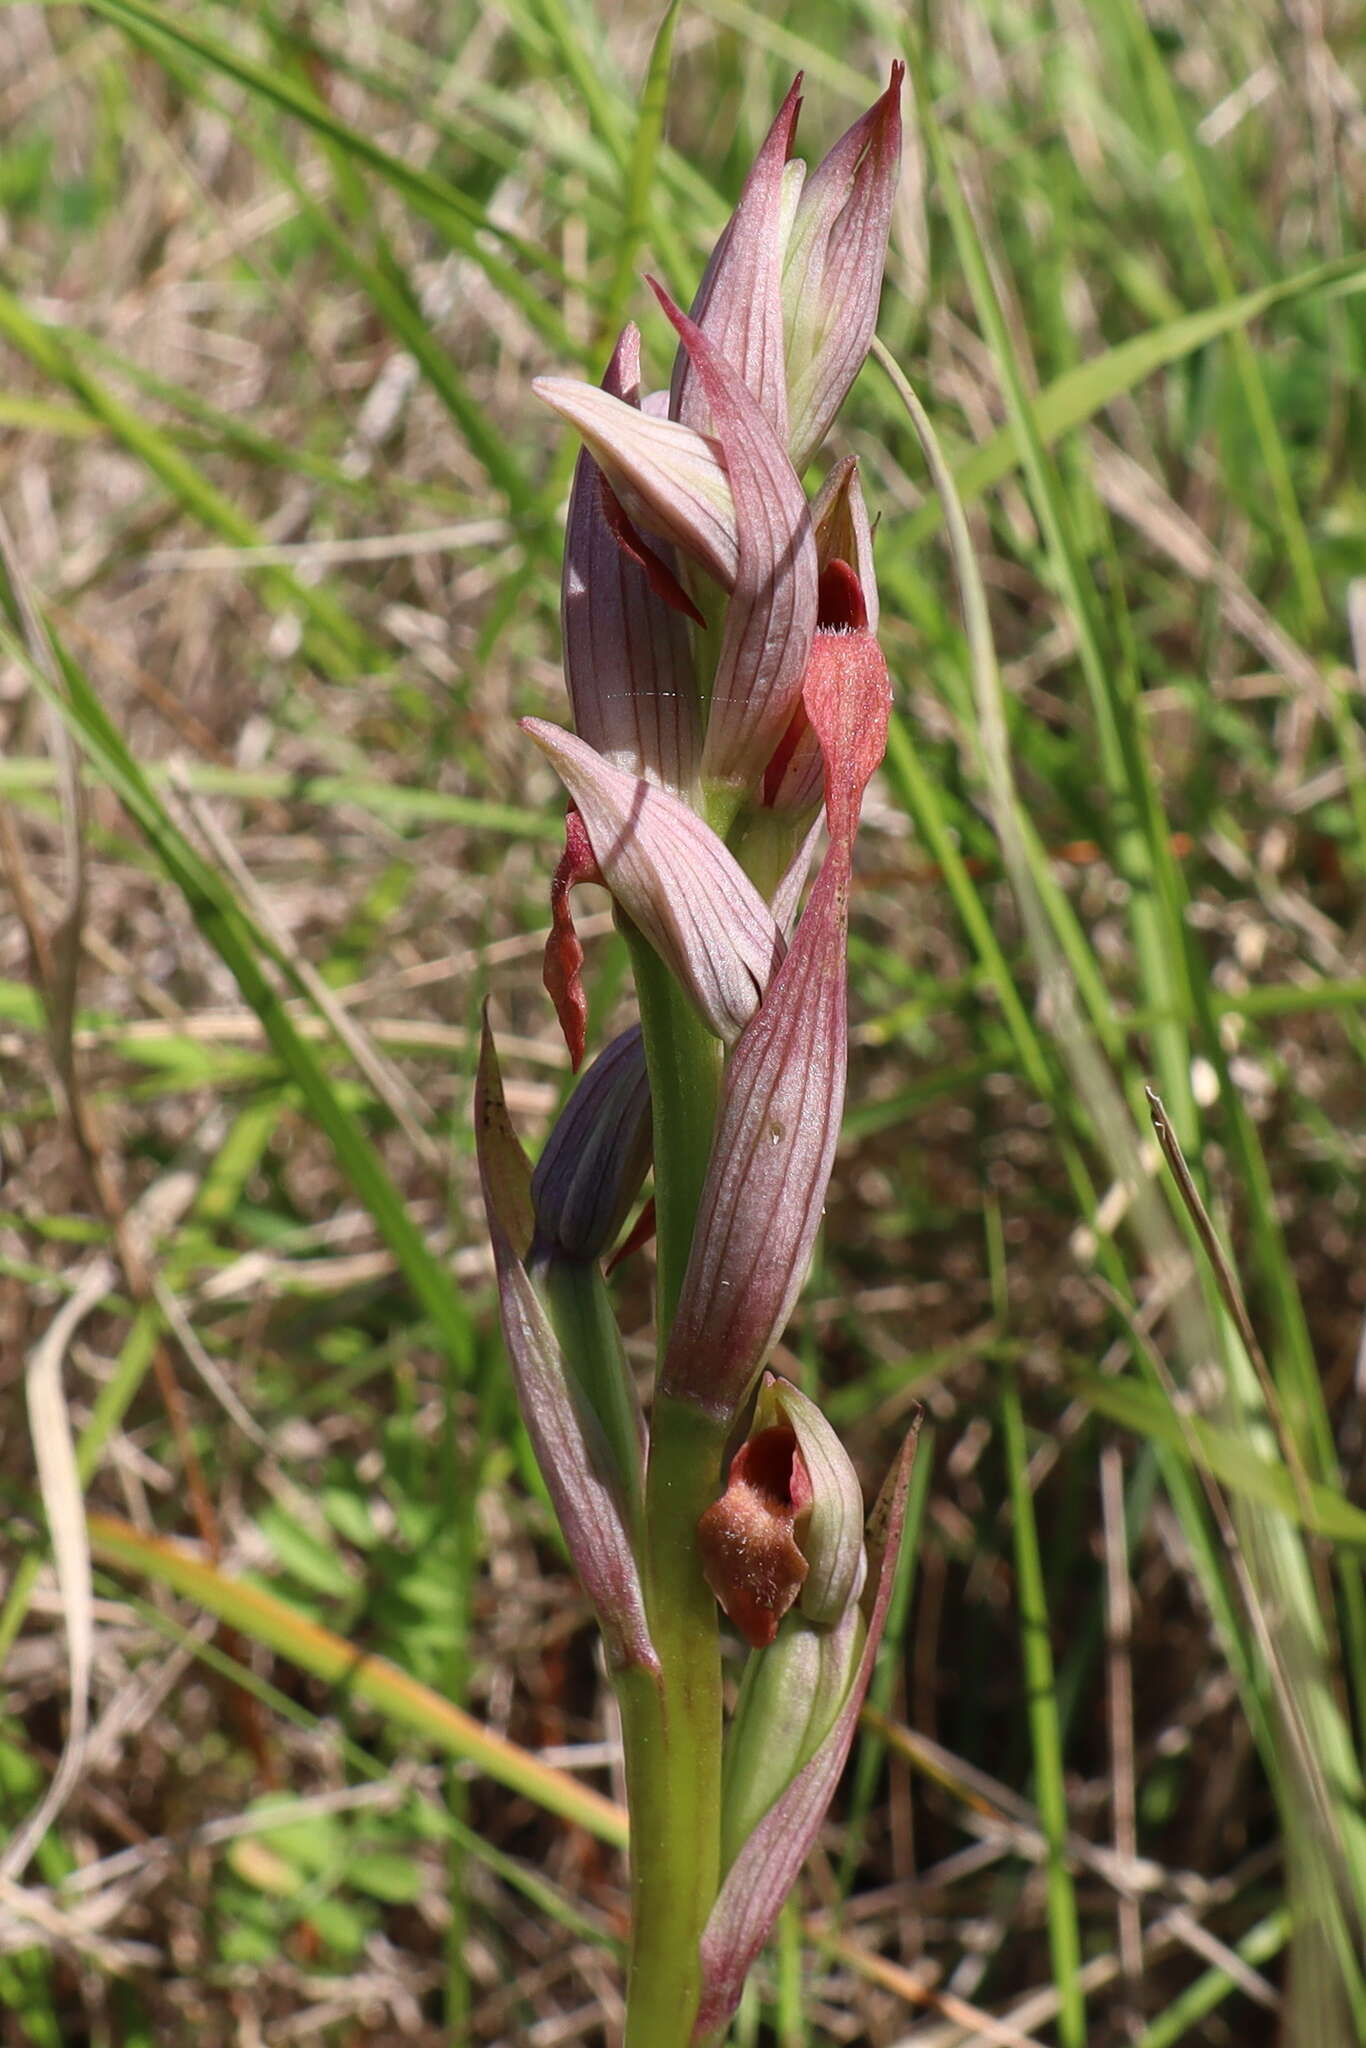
[729, 706]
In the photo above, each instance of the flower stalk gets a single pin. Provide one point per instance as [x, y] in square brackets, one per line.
[730, 704]
[672, 1730]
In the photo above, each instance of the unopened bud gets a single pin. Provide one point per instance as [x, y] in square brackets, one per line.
[789, 1698]
[596, 1157]
[832, 268]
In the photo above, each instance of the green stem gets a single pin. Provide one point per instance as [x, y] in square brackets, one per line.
[672, 1721]
[580, 1308]
[684, 1063]
[673, 1741]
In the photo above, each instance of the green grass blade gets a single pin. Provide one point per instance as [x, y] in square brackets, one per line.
[264, 1618]
[1064, 1933]
[337, 640]
[392, 296]
[1286, 1672]
[519, 1877]
[586, 67]
[641, 168]
[464, 224]
[399, 805]
[1080, 393]
[244, 949]
[1259, 1945]
[1176, 137]
[1172, 972]
[209, 428]
[1140, 835]
[1234, 1462]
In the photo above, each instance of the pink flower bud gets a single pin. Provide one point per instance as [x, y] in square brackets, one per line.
[596, 1157]
[627, 654]
[832, 275]
[794, 778]
[829, 1525]
[739, 301]
[839, 519]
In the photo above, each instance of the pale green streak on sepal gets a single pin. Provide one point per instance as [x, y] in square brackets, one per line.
[790, 1696]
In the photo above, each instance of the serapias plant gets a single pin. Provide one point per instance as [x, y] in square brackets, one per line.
[729, 697]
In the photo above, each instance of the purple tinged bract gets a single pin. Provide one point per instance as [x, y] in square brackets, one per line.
[832, 275]
[783, 1095]
[739, 305]
[766, 635]
[675, 879]
[770, 1166]
[671, 479]
[567, 1437]
[627, 652]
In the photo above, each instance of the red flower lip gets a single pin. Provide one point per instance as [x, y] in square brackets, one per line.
[750, 1554]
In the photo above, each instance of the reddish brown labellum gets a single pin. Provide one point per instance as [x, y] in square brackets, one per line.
[750, 1555]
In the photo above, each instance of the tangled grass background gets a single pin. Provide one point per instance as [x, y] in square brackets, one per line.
[272, 289]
